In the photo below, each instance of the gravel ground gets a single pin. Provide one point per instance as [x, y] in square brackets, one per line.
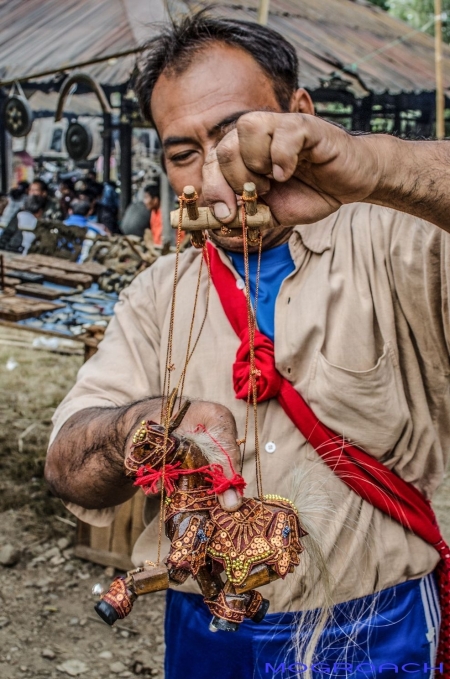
[48, 627]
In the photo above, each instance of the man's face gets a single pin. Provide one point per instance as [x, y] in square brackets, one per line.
[195, 109]
[151, 202]
[36, 190]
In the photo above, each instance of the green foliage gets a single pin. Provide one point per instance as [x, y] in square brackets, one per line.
[384, 4]
[416, 13]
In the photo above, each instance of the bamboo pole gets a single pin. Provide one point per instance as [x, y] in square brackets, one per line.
[263, 12]
[440, 101]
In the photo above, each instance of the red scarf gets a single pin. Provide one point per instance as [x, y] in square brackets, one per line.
[367, 477]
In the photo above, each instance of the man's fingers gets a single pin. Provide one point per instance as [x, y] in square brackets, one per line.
[254, 131]
[217, 425]
[284, 153]
[271, 143]
[217, 193]
[294, 202]
[230, 500]
[233, 168]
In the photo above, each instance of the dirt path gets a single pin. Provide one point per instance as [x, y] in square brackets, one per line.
[48, 627]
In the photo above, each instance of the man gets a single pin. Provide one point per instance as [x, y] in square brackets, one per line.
[52, 209]
[79, 212]
[15, 203]
[357, 304]
[152, 202]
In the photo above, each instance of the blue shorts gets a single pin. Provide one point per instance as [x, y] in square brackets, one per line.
[391, 634]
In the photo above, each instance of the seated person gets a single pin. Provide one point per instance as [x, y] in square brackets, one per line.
[18, 235]
[79, 216]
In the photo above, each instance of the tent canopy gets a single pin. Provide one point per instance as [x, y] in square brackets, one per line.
[352, 43]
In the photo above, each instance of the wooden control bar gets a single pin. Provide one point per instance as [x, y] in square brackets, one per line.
[202, 218]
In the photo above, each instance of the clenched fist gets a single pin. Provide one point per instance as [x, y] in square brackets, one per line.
[304, 168]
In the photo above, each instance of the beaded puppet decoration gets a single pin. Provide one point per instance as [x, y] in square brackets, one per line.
[229, 554]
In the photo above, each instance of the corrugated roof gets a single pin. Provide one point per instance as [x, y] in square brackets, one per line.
[39, 35]
[330, 36]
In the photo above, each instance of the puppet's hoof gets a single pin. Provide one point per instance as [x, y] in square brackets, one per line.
[107, 612]
[261, 612]
[224, 625]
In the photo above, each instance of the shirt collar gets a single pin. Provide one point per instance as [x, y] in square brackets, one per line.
[316, 237]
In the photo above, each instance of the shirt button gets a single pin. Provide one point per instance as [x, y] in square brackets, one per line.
[240, 284]
[270, 447]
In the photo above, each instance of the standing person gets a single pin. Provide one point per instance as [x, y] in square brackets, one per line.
[15, 203]
[27, 220]
[67, 191]
[108, 207]
[356, 300]
[19, 234]
[152, 202]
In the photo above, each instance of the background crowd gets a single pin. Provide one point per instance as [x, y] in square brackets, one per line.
[85, 203]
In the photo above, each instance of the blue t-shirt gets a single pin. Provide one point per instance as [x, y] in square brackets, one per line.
[276, 265]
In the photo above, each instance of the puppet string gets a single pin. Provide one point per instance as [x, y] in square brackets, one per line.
[251, 319]
[165, 406]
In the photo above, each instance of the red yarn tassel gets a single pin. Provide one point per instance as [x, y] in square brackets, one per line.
[220, 483]
[148, 478]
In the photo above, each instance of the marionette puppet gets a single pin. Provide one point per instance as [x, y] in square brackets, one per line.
[229, 554]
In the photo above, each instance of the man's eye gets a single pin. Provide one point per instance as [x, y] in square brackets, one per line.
[180, 157]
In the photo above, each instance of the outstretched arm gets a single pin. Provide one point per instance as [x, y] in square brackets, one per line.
[85, 462]
[306, 168]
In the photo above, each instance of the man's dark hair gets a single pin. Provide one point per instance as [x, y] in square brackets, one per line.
[42, 184]
[174, 48]
[80, 207]
[152, 190]
[34, 204]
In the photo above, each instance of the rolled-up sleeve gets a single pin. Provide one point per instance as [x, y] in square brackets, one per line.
[124, 369]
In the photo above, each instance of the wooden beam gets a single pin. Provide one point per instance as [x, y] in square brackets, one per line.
[440, 101]
[263, 12]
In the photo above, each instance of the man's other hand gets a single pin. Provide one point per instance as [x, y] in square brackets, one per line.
[220, 423]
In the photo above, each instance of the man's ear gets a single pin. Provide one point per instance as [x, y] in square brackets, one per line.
[301, 102]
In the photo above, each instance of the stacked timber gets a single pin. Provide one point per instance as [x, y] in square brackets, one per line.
[124, 257]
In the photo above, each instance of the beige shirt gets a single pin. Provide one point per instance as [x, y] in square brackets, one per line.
[362, 331]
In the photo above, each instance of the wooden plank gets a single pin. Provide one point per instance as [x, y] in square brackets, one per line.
[121, 533]
[83, 533]
[9, 280]
[72, 280]
[39, 331]
[18, 264]
[24, 276]
[121, 562]
[101, 538]
[38, 290]
[15, 308]
[92, 268]
[137, 515]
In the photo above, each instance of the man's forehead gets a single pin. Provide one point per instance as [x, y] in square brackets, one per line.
[218, 86]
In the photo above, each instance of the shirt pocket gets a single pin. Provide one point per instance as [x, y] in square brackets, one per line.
[368, 408]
